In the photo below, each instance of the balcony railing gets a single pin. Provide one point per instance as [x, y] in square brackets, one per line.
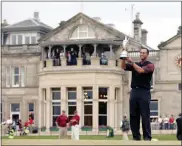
[94, 64]
[152, 54]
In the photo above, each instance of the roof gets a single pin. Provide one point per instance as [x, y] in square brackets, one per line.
[110, 29]
[169, 40]
[28, 23]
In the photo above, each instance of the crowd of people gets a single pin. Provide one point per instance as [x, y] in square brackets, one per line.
[16, 125]
[72, 55]
[164, 123]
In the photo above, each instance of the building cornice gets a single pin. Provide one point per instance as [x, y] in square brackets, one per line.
[81, 70]
[86, 41]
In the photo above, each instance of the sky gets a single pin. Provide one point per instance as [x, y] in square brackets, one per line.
[160, 19]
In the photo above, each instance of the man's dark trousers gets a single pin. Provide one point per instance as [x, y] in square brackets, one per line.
[140, 106]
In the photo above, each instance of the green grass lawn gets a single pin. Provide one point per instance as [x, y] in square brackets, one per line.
[95, 137]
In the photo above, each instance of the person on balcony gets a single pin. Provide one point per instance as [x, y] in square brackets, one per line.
[73, 56]
[103, 59]
[69, 58]
[88, 58]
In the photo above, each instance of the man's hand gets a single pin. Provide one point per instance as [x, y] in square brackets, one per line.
[129, 60]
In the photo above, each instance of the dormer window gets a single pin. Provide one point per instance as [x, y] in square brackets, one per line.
[83, 32]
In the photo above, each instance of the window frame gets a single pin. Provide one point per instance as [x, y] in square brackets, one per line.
[155, 100]
[71, 100]
[13, 76]
[78, 31]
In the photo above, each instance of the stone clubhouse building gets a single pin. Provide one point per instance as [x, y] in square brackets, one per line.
[76, 66]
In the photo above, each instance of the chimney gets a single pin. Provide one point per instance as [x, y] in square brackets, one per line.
[36, 15]
[144, 36]
[137, 28]
[5, 23]
[179, 30]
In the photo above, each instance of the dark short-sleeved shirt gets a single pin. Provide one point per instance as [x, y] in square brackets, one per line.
[141, 80]
[62, 120]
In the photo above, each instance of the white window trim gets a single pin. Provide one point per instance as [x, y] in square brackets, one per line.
[13, 75]
[22, 76]
[78, 34]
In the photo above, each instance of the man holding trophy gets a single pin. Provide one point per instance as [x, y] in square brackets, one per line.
[140, 95]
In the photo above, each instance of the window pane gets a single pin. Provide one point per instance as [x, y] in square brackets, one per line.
[16, 70]
[87, 120]
[15, 107]
[54, 120]
[56, 103]
[56, 110]
[102, 93]
[71, 110]
[153, 105]
[13, 39]
[87, 94]
[154, 113]
[19, 39]
[83, 28]
[16, 80]
[102, 120]
[87, 109]
[102, 107]
[27, 40]
[33, 40]
[87, 102]
[71, 103]
[31, 107]
[56, 95]
[71, 95]
[82, 34]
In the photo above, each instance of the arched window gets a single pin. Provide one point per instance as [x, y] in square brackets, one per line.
[83, 32]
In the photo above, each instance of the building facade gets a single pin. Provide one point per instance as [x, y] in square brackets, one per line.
[76, 67]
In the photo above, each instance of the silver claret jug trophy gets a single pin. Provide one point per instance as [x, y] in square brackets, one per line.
[124, 53]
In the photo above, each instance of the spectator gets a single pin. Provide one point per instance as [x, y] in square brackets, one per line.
[179, 127]
[160, 121]
[125, 126]
[30, 122]
[61, 122]
[171, 122]
[166, 121]
[75, 126]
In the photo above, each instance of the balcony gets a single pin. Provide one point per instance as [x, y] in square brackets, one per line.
[95, 65]
[152, 54]
[21, 49]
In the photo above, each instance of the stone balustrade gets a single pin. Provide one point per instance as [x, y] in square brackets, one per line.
[152, 54]
[112, 65]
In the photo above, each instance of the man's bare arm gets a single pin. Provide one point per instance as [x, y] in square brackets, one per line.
[146, 69]
[138, 68]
